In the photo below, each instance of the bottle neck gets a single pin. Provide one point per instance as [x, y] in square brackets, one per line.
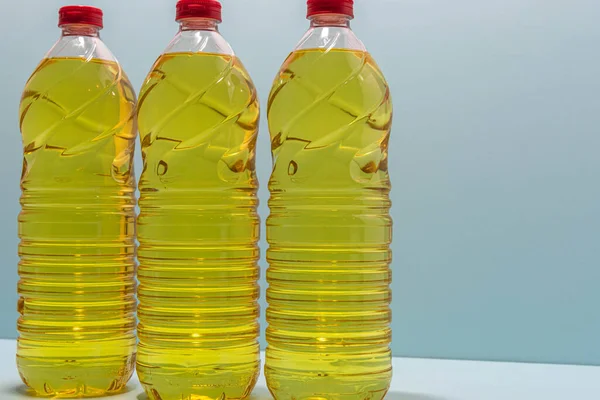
[80, 30]
[199, 24]
[323, 20]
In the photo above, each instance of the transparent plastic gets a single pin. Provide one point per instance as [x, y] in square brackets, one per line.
[329, 230]
[77, 250]
[198, 226]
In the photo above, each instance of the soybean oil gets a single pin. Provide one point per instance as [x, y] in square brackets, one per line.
[329, 229]
[198, 229]
[77, 250]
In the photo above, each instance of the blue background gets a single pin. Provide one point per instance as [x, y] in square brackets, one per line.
[495, 156]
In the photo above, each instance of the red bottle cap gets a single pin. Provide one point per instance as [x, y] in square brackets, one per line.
[345, 7]
[198, 9]
[86, 15]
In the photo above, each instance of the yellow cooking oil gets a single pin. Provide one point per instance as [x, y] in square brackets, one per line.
[198, 229]
[329, 230]
[77, 249]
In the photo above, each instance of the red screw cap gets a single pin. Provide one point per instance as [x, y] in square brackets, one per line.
[198, 9]
[345, 7]
[86, 15]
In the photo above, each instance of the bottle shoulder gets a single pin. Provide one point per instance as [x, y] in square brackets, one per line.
[80, 59]
[200, 59]
[202, 49]
[327, 50]
[199, 41]
[330, 37]
[86, 47]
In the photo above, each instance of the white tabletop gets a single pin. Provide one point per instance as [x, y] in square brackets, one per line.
[414, 379]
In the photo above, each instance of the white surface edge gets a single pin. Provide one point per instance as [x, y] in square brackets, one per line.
[414, 379]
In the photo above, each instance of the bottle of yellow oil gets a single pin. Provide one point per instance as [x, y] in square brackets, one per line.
[329, 230]
[77, 250]
[198, 226]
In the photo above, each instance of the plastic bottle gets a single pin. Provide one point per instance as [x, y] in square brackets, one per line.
[198, 225]
[329, 231]
[77, 223]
